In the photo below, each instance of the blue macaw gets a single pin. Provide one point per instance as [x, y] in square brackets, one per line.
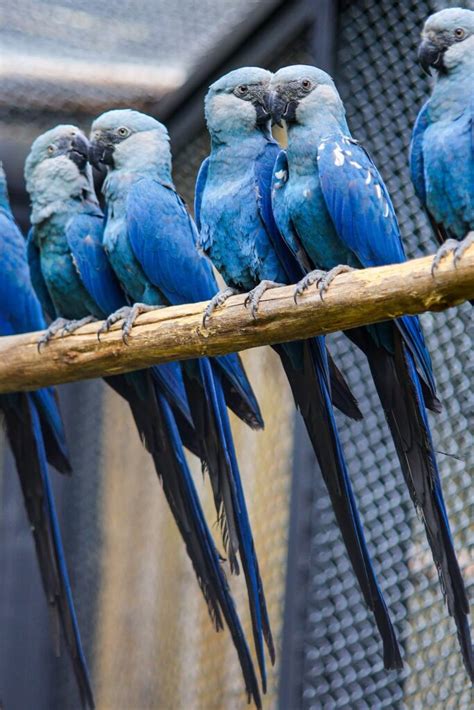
[442, 146]
[151, 242]
[238, 232]
[330, 204]
[35, 433]
[76, 283]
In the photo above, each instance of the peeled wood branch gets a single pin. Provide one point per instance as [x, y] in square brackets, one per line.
[176, 333]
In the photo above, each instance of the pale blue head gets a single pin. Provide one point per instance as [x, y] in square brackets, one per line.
[237, 103]
[57, 167]
[301, 93]
[4, 201]
[124, 139]
[447, 40]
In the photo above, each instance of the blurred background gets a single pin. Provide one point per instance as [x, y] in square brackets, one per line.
[148, 639]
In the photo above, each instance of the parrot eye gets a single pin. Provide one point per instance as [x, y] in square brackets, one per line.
[306, 84]
[123, 131]
[50, 149]
[459, 33]
[242, 90]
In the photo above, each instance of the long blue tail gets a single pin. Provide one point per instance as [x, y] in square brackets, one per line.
[26, 439]
[158, 429]
[309, 384]
[401, 394]
[213, 421]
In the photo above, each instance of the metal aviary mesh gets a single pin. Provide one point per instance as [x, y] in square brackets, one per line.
[334, 641]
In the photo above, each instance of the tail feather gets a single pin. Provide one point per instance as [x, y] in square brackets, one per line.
[402, 395]
[158, 429]
[341, 395]
[213, 423]
[24, 433]
[47, 404]
[311, 393]
[238, 391]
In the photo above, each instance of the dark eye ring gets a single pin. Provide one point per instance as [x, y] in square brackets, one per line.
[242, 89]
[459, 33]
[306, 84]
[50, 149]
[122, 131]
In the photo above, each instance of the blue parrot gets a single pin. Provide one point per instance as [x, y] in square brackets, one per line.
[442, 146]
[331, 205]
[75, 282]
[151, 243]
[238, 232]
[35, 433]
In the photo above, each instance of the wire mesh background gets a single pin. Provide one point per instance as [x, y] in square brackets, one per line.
[144, 625]
[340, 662]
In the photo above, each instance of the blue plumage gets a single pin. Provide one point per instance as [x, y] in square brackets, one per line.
[35, 433]
[151, 243]
[71, 265]
[442, 147]
[233, 208]
[331, 202]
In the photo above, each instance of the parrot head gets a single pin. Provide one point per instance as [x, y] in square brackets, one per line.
[297, 92]
[129, 140]
[57, 164]
[445, 36]
[238, 101]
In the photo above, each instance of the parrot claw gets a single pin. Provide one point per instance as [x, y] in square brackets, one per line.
[328, 278]
[133, 314]
[449, 246]
[314, 277]
[462, 247]
[218, 300]
[254, 296]
[54, 328]
[117, 315]
[128, 314]
[74, 325]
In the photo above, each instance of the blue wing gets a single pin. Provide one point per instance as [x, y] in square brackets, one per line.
[417, 169]
[20, 311]
[448, 159]
[39, 284]
[164, 239]
[365, 220]
[84, 237]
[198, 191]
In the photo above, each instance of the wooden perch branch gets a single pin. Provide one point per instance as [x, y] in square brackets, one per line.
[176, 333]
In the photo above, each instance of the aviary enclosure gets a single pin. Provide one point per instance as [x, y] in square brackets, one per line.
[144, 624]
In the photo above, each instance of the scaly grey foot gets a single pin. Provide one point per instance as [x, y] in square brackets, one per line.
[53, 329]
[218, 300]
[255, 295]
[73, 325]
[128, 314]
[135, 311]
[119, 314]
[314, 277]
[463, 246]
[449, 246]
[329, 277]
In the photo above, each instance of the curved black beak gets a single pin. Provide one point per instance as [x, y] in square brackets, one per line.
[100, 153]
[263, 109]
[430, 55]
[282, 108]
[79, 151]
